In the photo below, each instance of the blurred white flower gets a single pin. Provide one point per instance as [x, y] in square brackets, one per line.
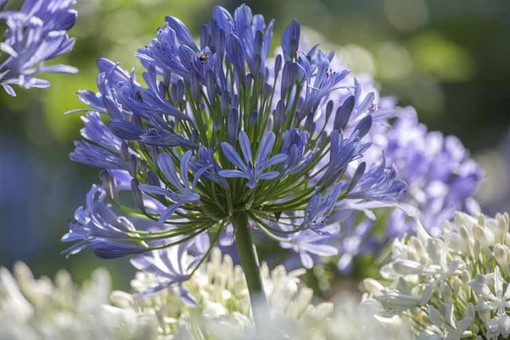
[223, 304]
[222, 308]
[451, 286]
[37, 309]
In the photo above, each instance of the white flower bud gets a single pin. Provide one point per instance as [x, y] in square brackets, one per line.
[405, 267]
[434, 249]
[481, 235]
[446, 292]
[372, 286]
[465, 276]
[500, 253]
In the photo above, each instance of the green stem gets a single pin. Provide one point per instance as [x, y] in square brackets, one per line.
[250, 264]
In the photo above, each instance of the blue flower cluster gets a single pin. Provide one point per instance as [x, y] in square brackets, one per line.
[441, 174]
[218, 130]
[35, 34]
[442, 178]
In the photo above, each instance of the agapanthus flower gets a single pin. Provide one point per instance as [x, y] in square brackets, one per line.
[454, 285]
[219, 135]
[35, 34]
[441, 176]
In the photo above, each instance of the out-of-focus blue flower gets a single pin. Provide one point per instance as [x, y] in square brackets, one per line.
[312, 246]
[442, 176]
[171, 267]
[356, 238]
[258, 136]
[35, 34]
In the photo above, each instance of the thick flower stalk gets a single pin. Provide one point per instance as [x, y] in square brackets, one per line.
[452, 286]
[35, 34]
[219, 137]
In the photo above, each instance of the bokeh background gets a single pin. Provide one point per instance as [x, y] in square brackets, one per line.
[449, 59]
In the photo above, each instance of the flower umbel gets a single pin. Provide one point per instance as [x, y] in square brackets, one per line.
[221, 135]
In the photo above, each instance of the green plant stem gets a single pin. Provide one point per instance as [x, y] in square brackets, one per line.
[250, 264]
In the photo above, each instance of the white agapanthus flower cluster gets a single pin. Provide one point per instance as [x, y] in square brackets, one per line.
[39, 309]
[451, 286]
[222, 307]
[222, 304]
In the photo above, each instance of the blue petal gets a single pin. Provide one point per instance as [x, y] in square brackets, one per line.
[182, 32]
[125, 130]
[270, 175]
[167, 166]
[169, 212]
[266, 145]
[274, 160]
[232, 173]
[244, 143]
[290, 39]
[232, 156]
[185, 167]
[152, 189]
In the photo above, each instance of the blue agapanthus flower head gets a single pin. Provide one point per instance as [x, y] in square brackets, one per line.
[217, 130]
[35, 34]
[441, 174]
[442, 179]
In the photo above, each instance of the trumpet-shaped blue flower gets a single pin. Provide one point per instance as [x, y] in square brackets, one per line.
[101, 147]
[249, 169]
[97, 227]
[379, 183]
[35, 34]
[320, 207]
[182, 191]
[293, 145]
